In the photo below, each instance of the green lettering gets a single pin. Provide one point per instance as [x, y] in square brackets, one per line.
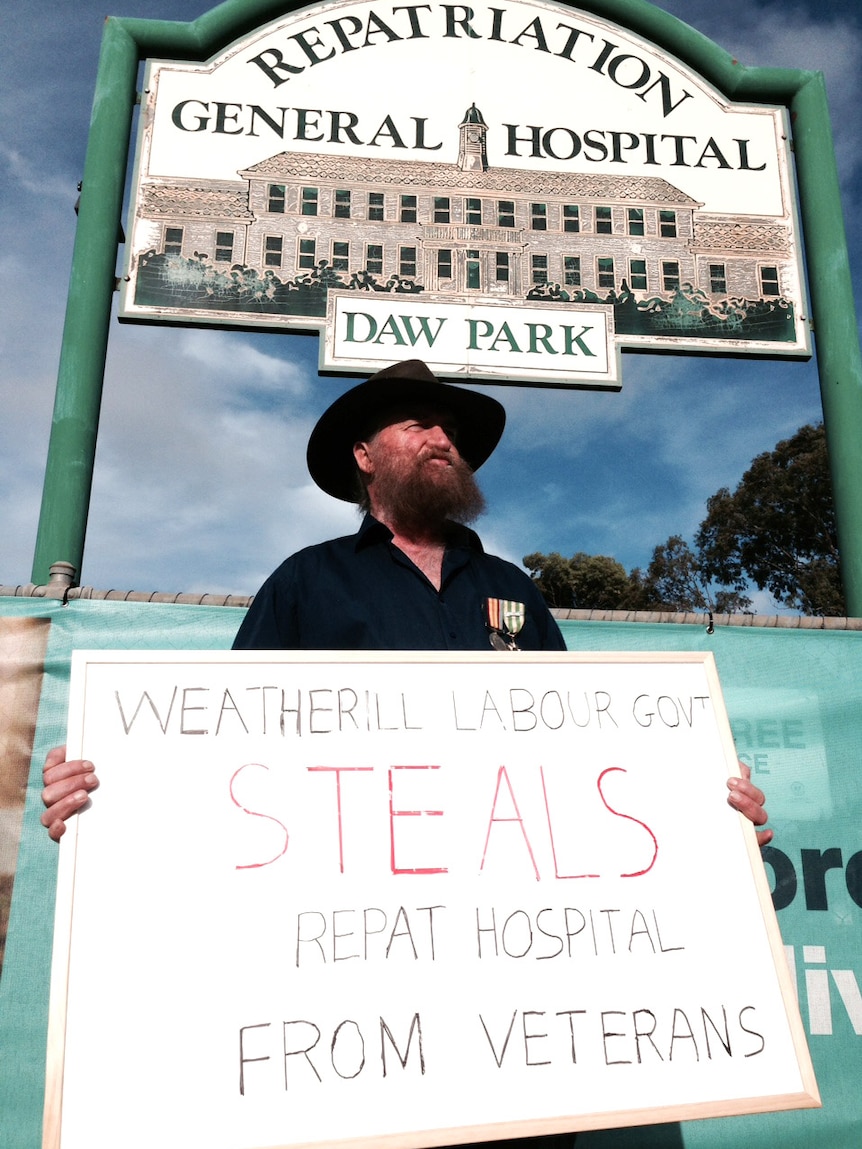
[475, 333]
[351, 336]
[505, 334]
[572, 339]
[545, 338]
[390, 327]
[425, 328]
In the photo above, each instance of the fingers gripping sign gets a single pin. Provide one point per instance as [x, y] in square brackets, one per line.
[68, 785]
[749, 800]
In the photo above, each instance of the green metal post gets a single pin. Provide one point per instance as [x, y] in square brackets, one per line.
[72, 447]
[836, 334]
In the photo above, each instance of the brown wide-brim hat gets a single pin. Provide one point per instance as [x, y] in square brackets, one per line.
[479, 418]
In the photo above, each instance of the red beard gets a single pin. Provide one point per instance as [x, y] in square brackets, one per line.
[420, 491]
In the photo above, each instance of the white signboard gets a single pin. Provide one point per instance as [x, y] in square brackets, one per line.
[564, 161]
[476, 338]
[334, 898]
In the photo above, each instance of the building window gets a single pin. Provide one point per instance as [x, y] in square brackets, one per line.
[505, 213]
[769, 281]
[444, 263]
[502, 267]
[571, 217]
[667, 224]
[224, 247]
[636, 220]
[342, 204]
[572, 270]
[375, 205]
[605, 271]
[473, 281]
[408, 209]
[637, 275]
[604, 221]
[374, 258]
[539, 268]
[670, 275]
[442, 209]
[539, 216]
[272, 251]
[307, 253]
[407, 262]
[275, 198]
[718, 279]
[473, 211]
[309, 201]
[340, 255]
[173, 241]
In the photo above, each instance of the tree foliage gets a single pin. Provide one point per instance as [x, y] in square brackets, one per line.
[585, 581]
[676, 579]
[553, 576]
[778, 527]
[776, 530]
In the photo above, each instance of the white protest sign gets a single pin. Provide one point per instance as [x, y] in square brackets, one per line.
[408, 900]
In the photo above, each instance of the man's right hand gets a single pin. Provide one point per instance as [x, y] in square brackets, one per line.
[67, 789]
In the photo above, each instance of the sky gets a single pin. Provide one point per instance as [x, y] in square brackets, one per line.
[200, 482]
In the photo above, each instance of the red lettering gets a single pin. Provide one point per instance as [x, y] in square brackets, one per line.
[393, 814]
[501, 775]
[557, 873]
[337, 771]
[636, 873]
[257, 814]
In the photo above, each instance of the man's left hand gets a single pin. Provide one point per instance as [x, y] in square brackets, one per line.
[745, 797]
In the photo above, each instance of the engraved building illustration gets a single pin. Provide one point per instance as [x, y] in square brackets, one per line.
[299, 220]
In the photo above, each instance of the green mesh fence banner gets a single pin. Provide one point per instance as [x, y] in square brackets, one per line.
[795, 702]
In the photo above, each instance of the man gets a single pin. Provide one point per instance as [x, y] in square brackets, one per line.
[404, 447]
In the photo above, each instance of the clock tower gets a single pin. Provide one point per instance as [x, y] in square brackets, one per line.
[472, 153]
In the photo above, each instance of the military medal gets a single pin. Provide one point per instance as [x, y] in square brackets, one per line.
[504, 618]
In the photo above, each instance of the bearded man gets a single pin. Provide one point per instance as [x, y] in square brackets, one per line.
[404, 447]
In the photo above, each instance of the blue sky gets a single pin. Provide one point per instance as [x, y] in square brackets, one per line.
[200, 481]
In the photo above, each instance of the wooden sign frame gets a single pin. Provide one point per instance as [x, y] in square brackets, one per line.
[408, 900]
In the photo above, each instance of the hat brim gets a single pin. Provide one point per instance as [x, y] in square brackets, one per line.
[480, 420]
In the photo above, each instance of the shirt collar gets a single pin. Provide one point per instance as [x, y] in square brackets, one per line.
[373, 531]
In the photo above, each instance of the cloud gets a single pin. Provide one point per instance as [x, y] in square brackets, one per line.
[232, 358]
[23, 176]
[197, 476]
[820, 37]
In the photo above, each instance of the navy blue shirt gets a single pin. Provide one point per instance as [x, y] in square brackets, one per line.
[361, 592]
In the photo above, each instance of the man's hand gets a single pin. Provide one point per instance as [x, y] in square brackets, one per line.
[745, 797]
[67, 789]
